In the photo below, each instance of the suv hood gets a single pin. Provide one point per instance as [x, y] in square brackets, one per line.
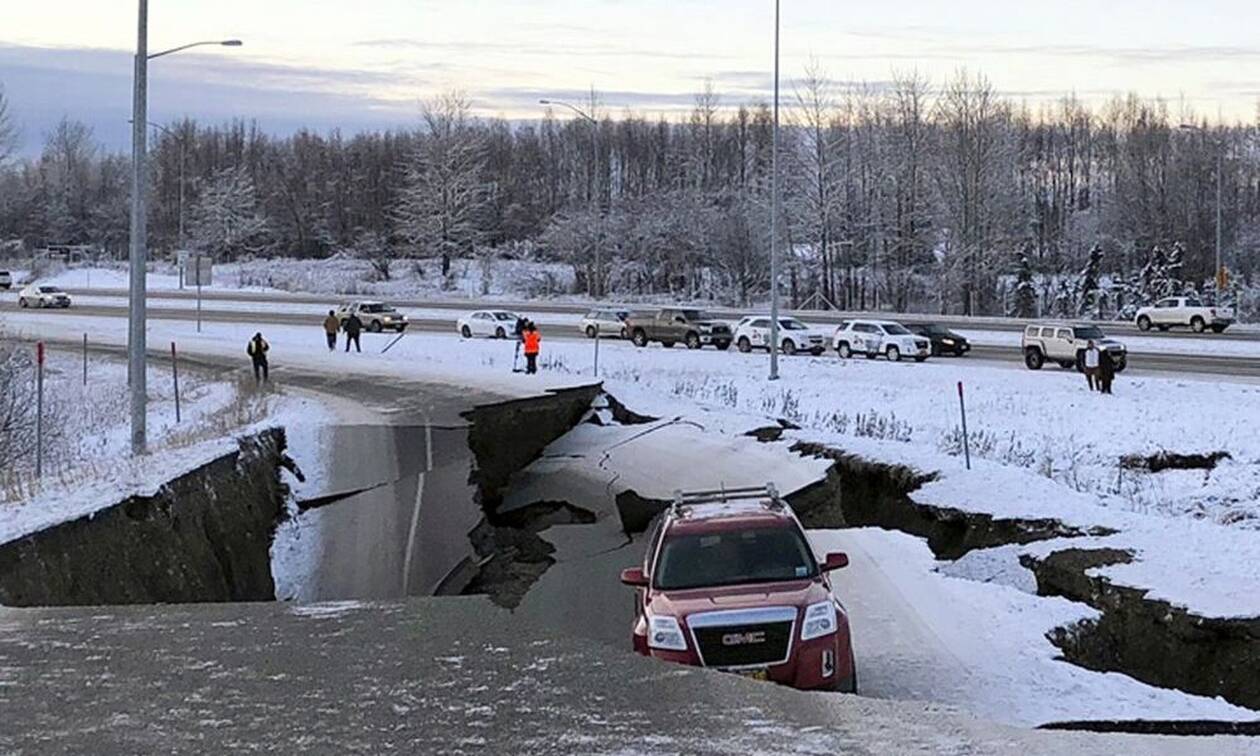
[1110, 344]
[799, 593]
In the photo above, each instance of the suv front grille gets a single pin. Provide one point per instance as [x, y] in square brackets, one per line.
[743, 637]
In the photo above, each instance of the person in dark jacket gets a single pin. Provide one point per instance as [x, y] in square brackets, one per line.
[331, 326]
[353, 327]
[1106, 371]
[257, 351]
[533, 341]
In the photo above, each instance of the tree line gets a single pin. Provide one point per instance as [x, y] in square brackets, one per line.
[905, 195]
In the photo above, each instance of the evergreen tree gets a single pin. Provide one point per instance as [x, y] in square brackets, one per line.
[1090, 294]
[1025, 304]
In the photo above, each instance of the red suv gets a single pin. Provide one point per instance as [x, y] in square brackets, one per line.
[730, 581]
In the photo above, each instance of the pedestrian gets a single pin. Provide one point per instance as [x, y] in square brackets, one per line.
[257, 351]
[1106, 371]
[331, 326]
[1091, 365]
[533, 341]
[353, 327]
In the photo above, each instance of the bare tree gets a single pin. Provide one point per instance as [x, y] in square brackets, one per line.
[443, 202]
[225, 218]
[818, 177]
[8, 129]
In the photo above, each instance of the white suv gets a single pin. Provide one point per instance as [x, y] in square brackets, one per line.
[39, 295]
[876, 337]
[753, 332]
[1066, 345]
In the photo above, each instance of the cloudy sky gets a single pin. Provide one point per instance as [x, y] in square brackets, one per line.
[366, 63]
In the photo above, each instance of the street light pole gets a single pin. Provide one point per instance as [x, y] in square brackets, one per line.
[774, 214]
[136, 313]
[136, 316]
[599, 254]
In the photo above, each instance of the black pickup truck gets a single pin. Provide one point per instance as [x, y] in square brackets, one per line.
[672, 325]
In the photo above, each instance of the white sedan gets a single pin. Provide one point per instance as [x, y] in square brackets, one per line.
[491, 324]
[37, 295]
[794, 336]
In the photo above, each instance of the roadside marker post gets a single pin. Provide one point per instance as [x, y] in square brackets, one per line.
[391, 344]
[39, 410]
[175, 375]
[597, 350]
[85, 359]
[962, 405]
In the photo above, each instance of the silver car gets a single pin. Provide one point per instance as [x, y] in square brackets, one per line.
[608, 323]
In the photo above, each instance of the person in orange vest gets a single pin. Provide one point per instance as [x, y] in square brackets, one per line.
[532, 340]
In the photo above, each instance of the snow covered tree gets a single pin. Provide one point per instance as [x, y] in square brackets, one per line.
[1025, 303]
[1090, 294]
[8, 129]
[225, 221]
[373, 247]
[444, 201]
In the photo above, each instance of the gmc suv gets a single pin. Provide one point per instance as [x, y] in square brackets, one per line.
[730, 581]
[672, 325]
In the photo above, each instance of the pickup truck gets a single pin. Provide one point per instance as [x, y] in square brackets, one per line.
[1066, 345]
[1185, 311]
[671, 325]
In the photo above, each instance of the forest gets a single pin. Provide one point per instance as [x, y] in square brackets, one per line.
[911, 195]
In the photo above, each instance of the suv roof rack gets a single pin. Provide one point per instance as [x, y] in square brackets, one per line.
[721, 495]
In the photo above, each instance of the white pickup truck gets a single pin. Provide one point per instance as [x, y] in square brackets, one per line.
[1184, 311]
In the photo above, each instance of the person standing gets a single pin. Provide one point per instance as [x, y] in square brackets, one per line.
[331, 326]
[257, 351]
[533, 343]
[353, 327]
[1106, 371]
[1091, 365]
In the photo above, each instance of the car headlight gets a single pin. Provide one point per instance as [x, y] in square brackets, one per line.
[947, 342]
[666, 634]
[388, 319]
[820, 620]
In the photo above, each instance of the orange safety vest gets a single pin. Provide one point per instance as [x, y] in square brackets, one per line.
[532, 340]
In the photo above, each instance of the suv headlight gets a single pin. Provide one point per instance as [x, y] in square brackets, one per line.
[666, 634]
[820, 620]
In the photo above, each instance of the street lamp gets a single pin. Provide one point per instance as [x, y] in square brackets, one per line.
[599, 267]
[1219, 273]
[139, 231]
[774, 214]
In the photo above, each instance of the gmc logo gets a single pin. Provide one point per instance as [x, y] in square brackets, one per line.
[744, 639]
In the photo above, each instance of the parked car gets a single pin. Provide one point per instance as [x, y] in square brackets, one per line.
[376, 316]
[671, 325]
[493, 324]
[1184, 311]
[1066, 345]
[729, 580]
[880, 337]
[943, 340]
[609, 323]
[753, 332]
[40, 295]
[6, 280]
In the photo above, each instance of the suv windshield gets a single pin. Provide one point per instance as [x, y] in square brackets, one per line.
[895, 329]
[1089, 332]
[760, 555]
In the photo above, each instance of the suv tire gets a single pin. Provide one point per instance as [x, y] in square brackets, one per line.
[466, 332]
[844, 350]
[590, 332]
[1144, 323]
[744, 345]
[722, 346]
[1197, 324]
[639, 337]
[693, 340]
[789, 347]
[893, 353]
[22, 303]
[1033, 358]
[375, 326]
[1219, 328]
[668, 344]
[850, 685]
[499, 333]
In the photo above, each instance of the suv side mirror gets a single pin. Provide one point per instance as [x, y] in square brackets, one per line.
[834, 561]
[634, 577]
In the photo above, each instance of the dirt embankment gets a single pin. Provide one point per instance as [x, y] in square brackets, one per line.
[203, 537]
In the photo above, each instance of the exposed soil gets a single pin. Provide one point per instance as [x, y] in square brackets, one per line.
[1166, 460]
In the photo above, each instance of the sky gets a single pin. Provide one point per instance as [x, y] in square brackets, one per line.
[368, 64]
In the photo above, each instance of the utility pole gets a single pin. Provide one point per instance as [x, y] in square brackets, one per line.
[597, 290]
[774, 214]
[139, 241]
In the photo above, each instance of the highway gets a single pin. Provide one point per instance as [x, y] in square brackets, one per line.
[1236, 333]
[1140, 362]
